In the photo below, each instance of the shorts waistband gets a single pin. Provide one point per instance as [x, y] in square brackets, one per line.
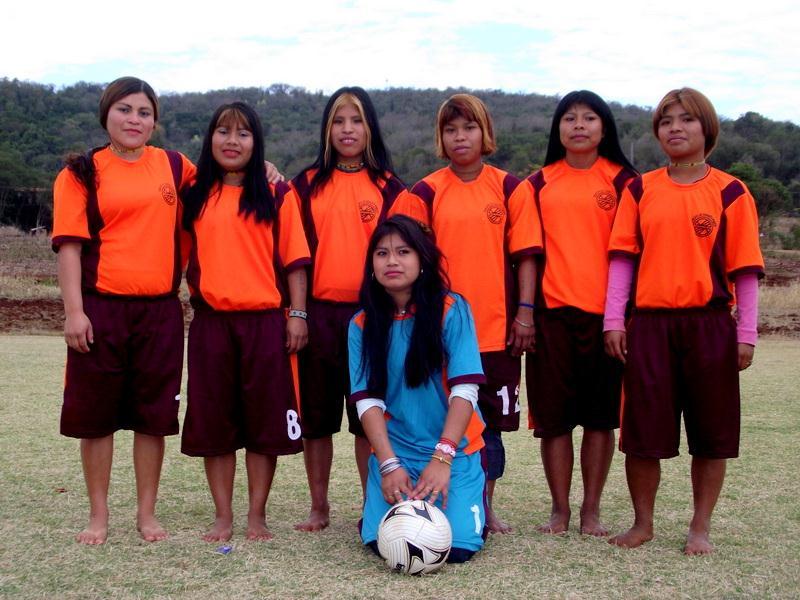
[354, 305]
[201, 306]
[693, 310]
[98, 294]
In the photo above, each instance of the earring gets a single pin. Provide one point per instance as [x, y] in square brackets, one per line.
[421, 271]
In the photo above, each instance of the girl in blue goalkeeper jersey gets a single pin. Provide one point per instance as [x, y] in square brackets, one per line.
[414, 371]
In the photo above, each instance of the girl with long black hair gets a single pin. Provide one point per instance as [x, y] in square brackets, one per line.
[412, 336]
[246, 268]
[570, 379]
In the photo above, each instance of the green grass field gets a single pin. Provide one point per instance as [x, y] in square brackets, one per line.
[43, 504]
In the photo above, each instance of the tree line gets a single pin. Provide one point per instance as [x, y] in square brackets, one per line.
[40, 125]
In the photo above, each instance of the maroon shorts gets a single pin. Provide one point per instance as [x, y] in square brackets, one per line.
[325, 372]
[241, 385]
[131, 377]
[681, 361]
[570, 379]
[498, 398]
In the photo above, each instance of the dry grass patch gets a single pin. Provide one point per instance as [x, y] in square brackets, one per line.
[783, 297]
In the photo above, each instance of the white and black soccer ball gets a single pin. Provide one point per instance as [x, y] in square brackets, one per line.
[414, 537]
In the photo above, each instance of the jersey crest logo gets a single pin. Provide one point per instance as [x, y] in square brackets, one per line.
[368, 210]
[168, 193]
[703, 225]
[495, 213]
[605, 199]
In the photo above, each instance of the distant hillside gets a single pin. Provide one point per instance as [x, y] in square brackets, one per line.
[39, 125]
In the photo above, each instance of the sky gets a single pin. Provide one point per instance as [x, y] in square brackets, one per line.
[744, 58]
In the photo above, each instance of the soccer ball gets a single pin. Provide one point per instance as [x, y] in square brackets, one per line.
[414, 537]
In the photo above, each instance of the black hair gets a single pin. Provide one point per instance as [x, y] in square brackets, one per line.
[425, 355]
[256, 198]
[609, 145]
[377, 159]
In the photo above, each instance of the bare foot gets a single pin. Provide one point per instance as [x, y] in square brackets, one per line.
[95, 533]
[591, 525]
[257, 529]
[221, 530]
[495, 524]
[697, 543]
[317, 521]
[633, 538]
[557, 525]
[150, 529]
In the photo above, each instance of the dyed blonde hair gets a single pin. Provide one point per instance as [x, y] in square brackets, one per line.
[470, 108]
[697, 105]
[232, 116]
[339, 102]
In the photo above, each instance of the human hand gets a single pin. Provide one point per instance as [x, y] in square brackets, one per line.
[395, 485]
[273, 175]
[296, 334]
[746, 352]
[433, 482]
[616, 344]
[522, 336]
[78, 332]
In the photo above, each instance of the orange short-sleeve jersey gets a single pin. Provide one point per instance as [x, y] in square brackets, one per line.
[238, 264]
[481, 226]
[129, 228]
[339, 220]
[691, 240]
[577, 209]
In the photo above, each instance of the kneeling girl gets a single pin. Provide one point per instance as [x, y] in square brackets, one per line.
[415, 369]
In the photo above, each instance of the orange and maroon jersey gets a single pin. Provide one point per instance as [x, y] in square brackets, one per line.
[339, 220]
[577, 209]
[238, 264]
[480, 227]
[128, 226]
[691, 239]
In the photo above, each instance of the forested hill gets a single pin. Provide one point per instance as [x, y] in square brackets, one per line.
[39, 125]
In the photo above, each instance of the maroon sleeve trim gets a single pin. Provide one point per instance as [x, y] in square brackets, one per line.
[424, 191]
[623, 254]
[532, 251]
[362, 395]
[59, 240]
[636, 188]
[510, 183]
[731, 192]
[624, 175]
[537, 181]
[297, 264]
[474, 378]
[752, 269]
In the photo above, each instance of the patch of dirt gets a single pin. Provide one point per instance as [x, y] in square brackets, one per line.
[31, 316]
[43, 316]
[782, 267]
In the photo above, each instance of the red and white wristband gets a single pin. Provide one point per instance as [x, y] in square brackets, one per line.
[446, 447]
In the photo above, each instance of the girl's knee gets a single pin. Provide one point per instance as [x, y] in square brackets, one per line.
[460, 555]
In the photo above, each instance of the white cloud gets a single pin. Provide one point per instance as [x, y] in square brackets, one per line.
[743, 58]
